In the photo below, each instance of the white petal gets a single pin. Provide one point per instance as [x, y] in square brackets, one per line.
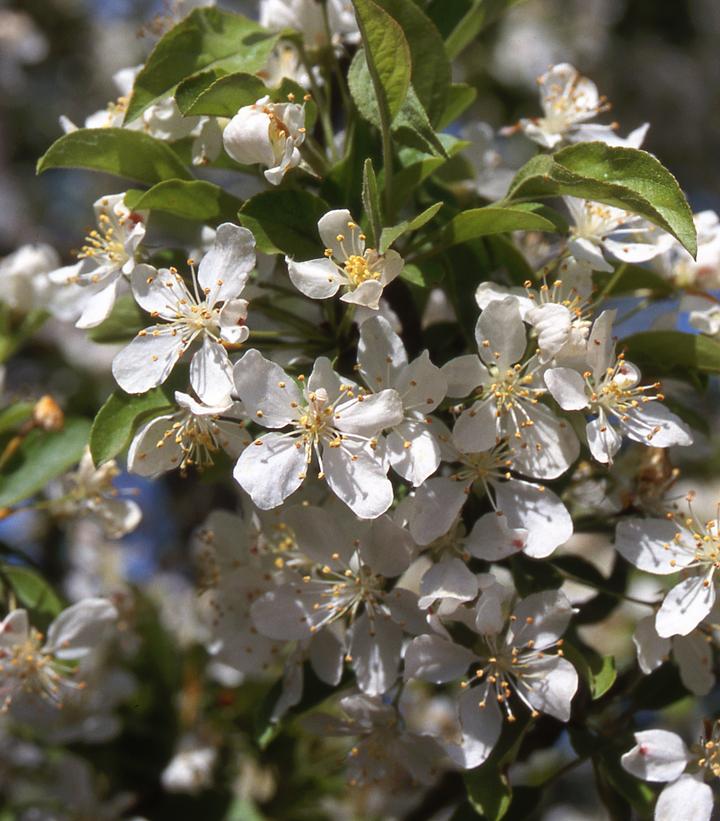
[145, 458]
[651, 650]
[432, 658]
[549, 686]
[232, 321]
[657, 756]
[632, 251]
[500, 334]
[367, 294]
[211, 373]
[413, 451]
[147, 361]
[388, 548]
[601, 345]
[654, 425]
[381, 354]
[489, 616]
[538, 511]
[567, 387]
[421, 385]
[317, 278]
[481, 728]
[438, 503]
[270, 470]
[541, 618]
[331, 226]
[476, 428]
[80, 628]
[493, 539]
[223, 271]
[359, 479]
[547, 448]
[158, 292]
[319, 533]
[603, 440]
[686, 798]
[282, 614]
[370, 414]
[590, 252]
[552, 323]
[685, 606]
[694, 656]
[404, 610]
[14, 628]
[247, 137]
[327, 656]
[448, 579]
[375, 651]
[98, 307]
[463, 374]
[265, 387]
[650, 545]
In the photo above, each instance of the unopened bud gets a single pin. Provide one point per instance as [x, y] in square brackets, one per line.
[47, 414]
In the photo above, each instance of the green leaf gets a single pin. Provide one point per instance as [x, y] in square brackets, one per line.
[459, 98]
[488, 791]
[480, 14]
[218, 94]
[622, 177]
[125, 320]
[387, 55]
[532, 576]
[425, 275]
[633, 278]
[285, 222]
[371, 201]
[430, 73]
[598, 672]
[13, 416]
[31, 591]
[482, 222]
[666, 352]
[197, 200]
[119, 151]
[41, 457]
[120, 416]
[410, 126]
[390, 235]
[207, 39]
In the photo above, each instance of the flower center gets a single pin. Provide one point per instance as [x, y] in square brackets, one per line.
[103, 243]
[358, 270]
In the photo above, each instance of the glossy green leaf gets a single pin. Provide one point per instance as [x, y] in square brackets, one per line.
[622, 177]
[598, 672]
[119, 151]
[459, 98]
[388, 57]
[393, 233]
[371, 201]
[41, 457]
[207, 39]
[31, 591]
[478, 16]
[489, 792]
[482, 222]
[125, 320]
[14, 415]
[218, 94]
[197, 200]
[430, 74]
[671, 351]
[120, 416]
[285, 222]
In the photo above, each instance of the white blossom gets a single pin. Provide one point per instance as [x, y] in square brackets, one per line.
[189, 438]
[600, 231]
[568, 101]
[679, 542]
[307, 17]
[412, 448]
[610, 390]
[362, 272]
[190, 770]
[24, 275]
[269, 134]
[701, 272]
[43, 666]
[211, 313]
[330, 419]
[662, 756]
[89, 491]
[109, 254]
[507, 405]
[514, 662]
